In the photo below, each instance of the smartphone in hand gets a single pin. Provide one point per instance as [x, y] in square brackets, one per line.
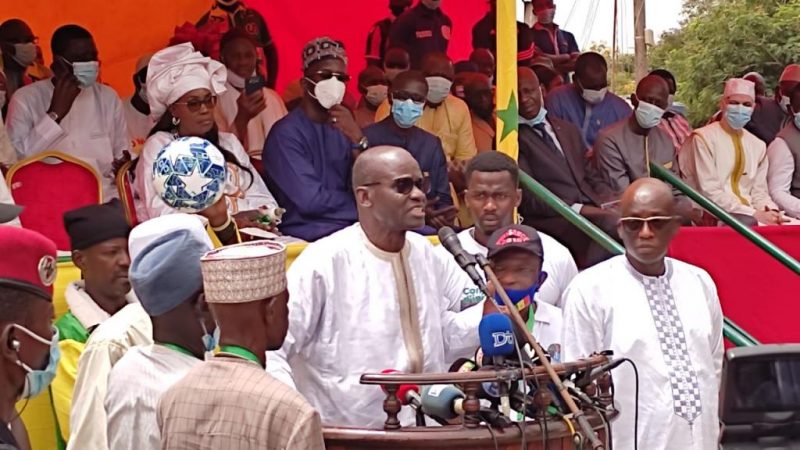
[253, 84]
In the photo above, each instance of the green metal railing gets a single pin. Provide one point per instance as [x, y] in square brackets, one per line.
[757, 239]
[730, 330]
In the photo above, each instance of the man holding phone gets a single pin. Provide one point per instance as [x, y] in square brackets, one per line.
[248, 107]
[72, 112]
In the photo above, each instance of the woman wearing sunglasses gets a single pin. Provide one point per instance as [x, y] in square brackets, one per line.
[182, 88]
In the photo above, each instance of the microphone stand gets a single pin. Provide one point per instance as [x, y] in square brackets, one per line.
[512, 312]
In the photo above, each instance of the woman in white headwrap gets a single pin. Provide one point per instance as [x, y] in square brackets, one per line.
[182, 90]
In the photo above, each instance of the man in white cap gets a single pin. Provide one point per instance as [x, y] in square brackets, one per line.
[136, 107]
[182, 326]
[229, 401]
[129, 327]
[374, 296]
[728, 164]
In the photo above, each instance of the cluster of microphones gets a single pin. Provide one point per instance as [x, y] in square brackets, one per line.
[503, 401]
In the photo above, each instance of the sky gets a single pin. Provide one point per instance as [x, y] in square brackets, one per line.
[593, 20]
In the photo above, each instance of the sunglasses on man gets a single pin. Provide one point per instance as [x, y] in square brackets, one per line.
[655, 223]
[404, 185]
[327, 75]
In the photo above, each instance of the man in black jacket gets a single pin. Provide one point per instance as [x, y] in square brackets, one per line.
[552, 152]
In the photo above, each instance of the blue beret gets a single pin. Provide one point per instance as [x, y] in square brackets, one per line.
[167, 271]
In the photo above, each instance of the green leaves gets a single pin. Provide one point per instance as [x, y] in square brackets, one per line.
[724, 39]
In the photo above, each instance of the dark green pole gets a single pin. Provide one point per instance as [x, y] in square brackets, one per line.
[730, 330]
[759, 240]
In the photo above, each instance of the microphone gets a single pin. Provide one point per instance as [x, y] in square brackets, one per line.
[442, 400]
[497, 337]
[597, 372]
[408, 394]
[466, 261]
[463, 365]
[497, 341]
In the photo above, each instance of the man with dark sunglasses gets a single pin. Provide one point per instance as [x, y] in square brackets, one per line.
[373, 296]
[407, 101]
[309, 154]
[662, 314]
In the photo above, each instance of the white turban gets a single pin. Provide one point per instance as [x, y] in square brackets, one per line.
[740, 86]
[176, 70]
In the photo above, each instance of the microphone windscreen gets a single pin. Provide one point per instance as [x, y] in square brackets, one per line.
[438, 400]
[496, 335]
[449, 239]
[403, 390]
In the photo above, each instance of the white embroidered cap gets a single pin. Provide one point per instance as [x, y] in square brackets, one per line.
[740, 86]
[245, 272]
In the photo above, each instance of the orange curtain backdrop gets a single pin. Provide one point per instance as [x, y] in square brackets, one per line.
[126, 29]
[123, 30]
[293, 23]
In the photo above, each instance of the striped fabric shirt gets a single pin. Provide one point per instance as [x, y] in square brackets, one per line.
[678, 129]
[230, 403]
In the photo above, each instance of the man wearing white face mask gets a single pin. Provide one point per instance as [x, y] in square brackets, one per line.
[309, 153]
[422, 30]
[18, 46]
[374, 88]
[72, 112]
[586, 102]
[770, 115]
[625, 150]
[728, 164]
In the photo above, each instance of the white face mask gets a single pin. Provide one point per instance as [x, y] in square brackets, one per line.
[235, 80]
[328, 92]
[784, 103]
[376, 94]
[438, 89]
[24, 54]
[594, 97]
[648, 115]
[670, 101]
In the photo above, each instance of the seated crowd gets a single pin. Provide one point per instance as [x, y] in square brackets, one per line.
[362, 182]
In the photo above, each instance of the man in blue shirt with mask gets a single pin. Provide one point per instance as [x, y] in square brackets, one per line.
[309, 153]
[586, 103]
[407, 99]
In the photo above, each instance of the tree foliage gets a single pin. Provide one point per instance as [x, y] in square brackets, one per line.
[624, 80]
[720, 39]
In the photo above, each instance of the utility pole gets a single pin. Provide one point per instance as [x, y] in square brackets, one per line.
[640, 45]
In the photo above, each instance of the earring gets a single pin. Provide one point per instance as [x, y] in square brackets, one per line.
[176, 121]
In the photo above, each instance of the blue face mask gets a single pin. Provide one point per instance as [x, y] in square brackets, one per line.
[407, 112]
[522, 297]
[536, 120]
[210, 341]
[737, 116]
[37, 380]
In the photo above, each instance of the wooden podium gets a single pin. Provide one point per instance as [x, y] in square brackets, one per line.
[551, 433]
[558, 437]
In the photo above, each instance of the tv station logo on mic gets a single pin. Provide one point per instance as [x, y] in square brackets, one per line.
[502, 338]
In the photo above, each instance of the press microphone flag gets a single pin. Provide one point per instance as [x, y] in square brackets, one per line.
[497, 336]
[442, 400]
